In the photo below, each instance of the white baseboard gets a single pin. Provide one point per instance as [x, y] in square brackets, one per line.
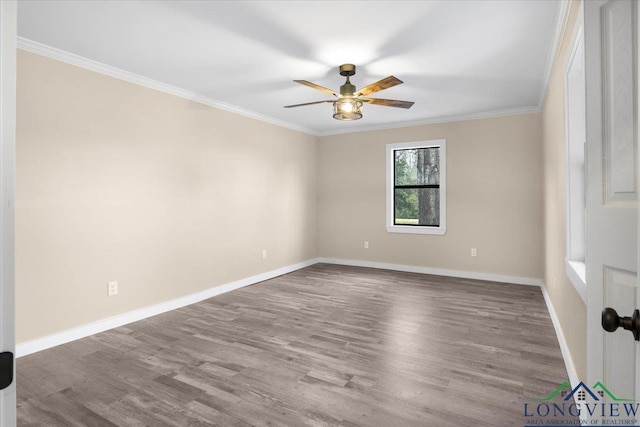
[39, 344]
[436, 271]
[564, 347]
[56, 339]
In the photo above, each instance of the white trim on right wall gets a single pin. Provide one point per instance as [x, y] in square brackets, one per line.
[575, 138]
[562, 341]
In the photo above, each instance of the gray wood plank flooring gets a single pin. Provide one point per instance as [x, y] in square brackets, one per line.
[323, 346]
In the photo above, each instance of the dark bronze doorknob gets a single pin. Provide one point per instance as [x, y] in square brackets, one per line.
[6, 369]
[611, 321]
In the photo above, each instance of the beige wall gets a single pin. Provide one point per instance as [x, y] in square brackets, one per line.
[569, 306]
[168, 197]
[494, 198]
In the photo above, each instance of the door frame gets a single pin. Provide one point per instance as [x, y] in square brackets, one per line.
[8, 38]
[638, 186]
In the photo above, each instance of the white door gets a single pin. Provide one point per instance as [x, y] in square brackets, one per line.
[612, 191]
[8, 14]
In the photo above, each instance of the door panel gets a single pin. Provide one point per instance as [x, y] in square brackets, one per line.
[612, 183]
[618, 106]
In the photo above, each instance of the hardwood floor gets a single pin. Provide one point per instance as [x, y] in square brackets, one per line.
[324, 346]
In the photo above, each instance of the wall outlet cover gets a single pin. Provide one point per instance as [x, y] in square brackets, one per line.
[112, 288]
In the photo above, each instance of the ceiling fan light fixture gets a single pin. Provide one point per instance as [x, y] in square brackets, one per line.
[347, 109]
[348, 105]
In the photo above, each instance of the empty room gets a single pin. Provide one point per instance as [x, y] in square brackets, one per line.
[319, 213]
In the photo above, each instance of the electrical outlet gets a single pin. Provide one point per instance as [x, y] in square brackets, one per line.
[113, 288]
[264, 254]
[366, 244]
[474, 252]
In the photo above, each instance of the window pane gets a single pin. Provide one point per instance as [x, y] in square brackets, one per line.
[417, 206]
[406, 167]
[417, 166]
[428, 165]
[406, 206]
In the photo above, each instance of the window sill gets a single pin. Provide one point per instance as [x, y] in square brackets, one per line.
[577, 273]
[412, 229]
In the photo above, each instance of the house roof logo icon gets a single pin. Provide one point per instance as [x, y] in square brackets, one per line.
[582, 392]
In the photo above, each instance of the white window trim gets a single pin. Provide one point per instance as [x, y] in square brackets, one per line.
[577, 273]
[412, 229]
[575, 269]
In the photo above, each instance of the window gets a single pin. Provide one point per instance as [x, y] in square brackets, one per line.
[416, 187]
[575, 146]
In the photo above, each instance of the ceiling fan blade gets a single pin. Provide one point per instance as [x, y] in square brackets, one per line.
[385, 83]
[315, 86]
[388, 102]
[308, 103]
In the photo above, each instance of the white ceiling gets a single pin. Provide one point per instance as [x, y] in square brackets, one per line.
[456, 58]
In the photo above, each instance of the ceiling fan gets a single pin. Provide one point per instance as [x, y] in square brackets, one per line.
[348, 105]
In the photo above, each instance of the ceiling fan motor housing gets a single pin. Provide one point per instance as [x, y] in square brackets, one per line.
[347, 70]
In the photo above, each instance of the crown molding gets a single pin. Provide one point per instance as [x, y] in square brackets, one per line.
[98, 67]
[436, 120]
[558, 36]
